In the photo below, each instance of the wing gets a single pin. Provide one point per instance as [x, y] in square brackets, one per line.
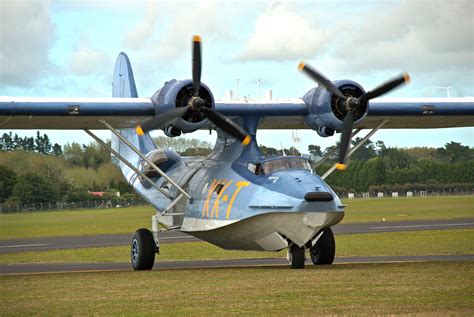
[73, 113]
[423, 113]
[420, 113]
[80, 113]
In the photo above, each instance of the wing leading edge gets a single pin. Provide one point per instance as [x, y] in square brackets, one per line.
[80, 113]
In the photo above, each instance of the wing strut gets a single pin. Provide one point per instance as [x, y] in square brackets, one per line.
[356, 147]
[143, 156]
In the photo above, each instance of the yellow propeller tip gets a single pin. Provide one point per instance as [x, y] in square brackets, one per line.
[139, 130]
[247, 140]
[341, 166]
[196, 38]
[301, 65]
[406, 77]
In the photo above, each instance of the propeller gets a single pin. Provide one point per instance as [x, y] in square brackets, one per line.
[197, 105]
[351, 104]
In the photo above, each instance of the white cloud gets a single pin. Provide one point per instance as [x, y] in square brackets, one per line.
[26, 36]
[415, 35]
[283, 34]
[166, 30]
[143, 32]
[87, 61]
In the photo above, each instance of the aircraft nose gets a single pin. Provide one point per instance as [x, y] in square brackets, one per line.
[318, 196]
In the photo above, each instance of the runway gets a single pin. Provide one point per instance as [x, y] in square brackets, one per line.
[206, 264]
[71, 242]
[107, 240]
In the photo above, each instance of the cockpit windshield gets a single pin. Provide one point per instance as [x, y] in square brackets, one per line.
[279, 164]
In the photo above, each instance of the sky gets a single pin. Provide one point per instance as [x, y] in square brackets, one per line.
[68, 48]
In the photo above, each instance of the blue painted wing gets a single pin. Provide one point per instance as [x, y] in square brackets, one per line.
[80, 113]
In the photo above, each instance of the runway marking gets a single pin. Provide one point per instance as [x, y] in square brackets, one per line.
[23, 245]
[424, 226]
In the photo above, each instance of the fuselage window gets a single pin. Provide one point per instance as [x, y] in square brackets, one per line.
[218, 188]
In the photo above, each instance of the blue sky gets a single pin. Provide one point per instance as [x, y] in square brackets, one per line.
[68, 48]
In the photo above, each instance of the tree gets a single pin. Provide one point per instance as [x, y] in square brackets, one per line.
[292, 151]
[7, 181]
[455, 152]
[33, 188]
[180, 144]
[335, 151]
[6, 142]
[42, 144]
[268, 151]
[197, 151]
[365, 152]
[57, 150]
[395, 158]
[73, 154]
[315, 150]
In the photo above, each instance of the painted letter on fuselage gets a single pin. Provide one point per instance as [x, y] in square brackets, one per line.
[239, 187]
[221, 196]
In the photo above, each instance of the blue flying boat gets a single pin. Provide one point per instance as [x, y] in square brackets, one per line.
[235, 198]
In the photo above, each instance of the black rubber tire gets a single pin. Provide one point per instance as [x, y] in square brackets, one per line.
[297, 255]
[324, 251]
[142, 250]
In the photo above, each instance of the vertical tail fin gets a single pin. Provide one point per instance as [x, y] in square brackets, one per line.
[123, 86]
[123, 82]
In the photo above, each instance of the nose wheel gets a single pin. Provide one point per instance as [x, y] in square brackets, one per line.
[296, 256]
[143, 249]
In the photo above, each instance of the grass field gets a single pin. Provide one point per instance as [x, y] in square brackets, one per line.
[423, 288]
[429, 289]
[127, 220]
[431, 242]
[398, 209]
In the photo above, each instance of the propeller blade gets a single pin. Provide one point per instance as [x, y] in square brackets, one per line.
[314, 74]
[197, 65]
[227, 125]
[386, 87]
[345, 140]
[161, 120]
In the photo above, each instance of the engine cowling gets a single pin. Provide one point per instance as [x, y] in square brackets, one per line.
[327, 111]
[177, 93]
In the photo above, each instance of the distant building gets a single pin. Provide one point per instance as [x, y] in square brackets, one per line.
[97, 194]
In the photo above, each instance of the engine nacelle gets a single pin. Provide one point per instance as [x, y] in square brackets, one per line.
[176, 93]
[326, 112]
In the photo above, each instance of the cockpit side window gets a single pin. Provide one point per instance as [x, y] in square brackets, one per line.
[252, 167]
[285, 164]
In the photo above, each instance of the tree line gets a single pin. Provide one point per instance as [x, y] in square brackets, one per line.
[40, 144]
[34, 171]
[375, 167]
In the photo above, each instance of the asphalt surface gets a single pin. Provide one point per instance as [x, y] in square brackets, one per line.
[71, 242]
[107, 240]
[239, 263]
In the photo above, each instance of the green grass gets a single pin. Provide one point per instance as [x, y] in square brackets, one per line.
[127, 220]
[429, 242]
[400, 288]
[398, 209]
[74, 222]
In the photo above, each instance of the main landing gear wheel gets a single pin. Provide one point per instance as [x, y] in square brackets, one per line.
[323, 252]
[296, 256]
[143, 250]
